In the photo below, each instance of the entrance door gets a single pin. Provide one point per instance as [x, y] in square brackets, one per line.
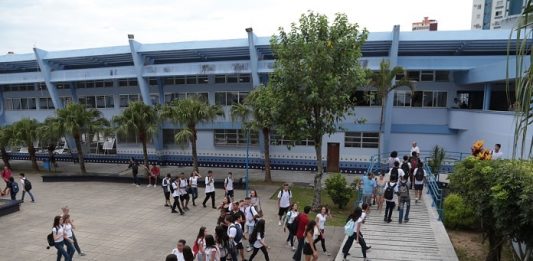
[333, 157]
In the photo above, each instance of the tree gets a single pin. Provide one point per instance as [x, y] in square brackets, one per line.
[25, 132]
[189, 113]
[76, 120]
[316, 71]
[139, 119]
[48, 133]
[383, 80]
[437, 158]
[338, 190]
[261, 106]
[6, 134]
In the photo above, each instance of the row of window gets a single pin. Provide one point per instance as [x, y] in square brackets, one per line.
[100, 101]
[420, 99]
[98, 84]
[232, 78]
[229, 98]
[426, 76]
[187, 79]
[204, 96]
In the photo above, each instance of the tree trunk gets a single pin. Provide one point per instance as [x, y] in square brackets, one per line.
[266, 135]
[145, 150]
[193, 149]
[5, 157]
[31, 151]
[383, 103]
[318, 176]
[495, 247]
[81, 159]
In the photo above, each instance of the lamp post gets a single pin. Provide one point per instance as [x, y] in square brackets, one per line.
[247, 160]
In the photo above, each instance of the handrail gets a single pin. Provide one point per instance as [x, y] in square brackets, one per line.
[435, 191]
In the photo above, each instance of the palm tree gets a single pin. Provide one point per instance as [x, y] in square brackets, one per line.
[383, 82]
[25, 132]
[260, 104]
[78, 121]
[139, 119]
[49, 133]
[6, 134]
[188, 113]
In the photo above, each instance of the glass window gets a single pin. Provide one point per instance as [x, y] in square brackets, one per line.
[442, 76]
[100, 102]
[123, 83]
[154, 98]
[374, 100]
[179, 80]
[428, 99]
[132, 82]
[399, 99]
[109, 102]
[152, 81]
[202, 79]
[91, 102]
[413, 75]
[8, 106]
[370, 140]
[108, 83]
[233, 98]
[426, 76]
[440, 99]
[191, 79]
[220, 98]
[242, 96]
[243, 78]
[99, 84]
[232, 79]
[361, 139]
[24, 104]
[169, 81]
[32, 105]
[233, 137]
[16, 104]
[134, 97]
[352, 139]
[89, 84]
[360, 99]
[416, 100]
[124, 100]
[220, 78]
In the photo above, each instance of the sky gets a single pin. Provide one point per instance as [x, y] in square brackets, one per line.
[76, 24]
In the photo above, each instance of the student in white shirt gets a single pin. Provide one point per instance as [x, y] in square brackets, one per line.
[176, 195]
[358, 216]
[193, 181]
[496, 153]
[212, 252]
[284, 201]
[228, 185]
[321, 225]
[59, 235]
[259, 244]
[415, 148]
[209, 189]
[183, 187]
[289, 221]
[390, 199]
[178, 251]
[69, 242]
[251, 215]
[23, 186]
[165, 184]
[393, 158]
[420, 175]
[235, 234]
[199, 245]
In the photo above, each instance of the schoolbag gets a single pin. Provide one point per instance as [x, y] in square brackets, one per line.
[253, 237]
[389, 191]
[404, 190]
[238, 235]
[27, 185]
[419, 174]
[50, 239]
[394, 174]
[349, 227]
[171, 188]
[405, 168]
[15, 187]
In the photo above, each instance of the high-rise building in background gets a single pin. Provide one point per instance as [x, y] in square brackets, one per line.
[496, 14]
[426, 25]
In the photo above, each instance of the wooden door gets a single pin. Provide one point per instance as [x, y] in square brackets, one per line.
[333, 157]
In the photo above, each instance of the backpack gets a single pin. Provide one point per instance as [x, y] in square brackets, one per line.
[195, 247]
[404, 190]
[349, 227]
[171, 188]
[389, 191]
[27, 185]
[50, 239]
[419, 176]
[394, 174]
[405, 168]
[253, 238]
[238, 235]
[15, 187]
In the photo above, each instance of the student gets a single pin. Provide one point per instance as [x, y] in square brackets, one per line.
[258, 237]
[321, 225]
[69, 242]
[134, 166]
[26, 187]
[212, 252]
[183, 187]
[235, 235]
[228, 185]
[256, 201]
[251, 217]
[209, 189]
[497, 153]
[13, 188]
[155, 171]
[165, 184]
[178, 251]
[405, 166]
[415, 148]
[59, 237]
[380, 189]
[368, 188]
[391, 189]
[404, 200]
[187, 254]
[284, 201]
[420, 176]
[171, 257]
[226, 206]
[193, 182]
[176, 195]
[6, 174]
[302, 221]
[393, 158]
[290, 225]
[414, 161]
[358, 216]
[309, 249]
[66, 211]
[199, 245]
[396, 173]
[222, 241]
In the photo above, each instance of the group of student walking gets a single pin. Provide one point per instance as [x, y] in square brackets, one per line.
[13, 188]
[62, 236]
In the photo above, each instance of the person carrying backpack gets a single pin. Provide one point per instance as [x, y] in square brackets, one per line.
[134, 166]
[353, 230]
[284, 201]
[414, 161]
[288, 220]
[405, 166]
[26, 187]
[404, 200]
[391, 189]
[165, 184]
[420, 176]
[228, 185]
[13, 188]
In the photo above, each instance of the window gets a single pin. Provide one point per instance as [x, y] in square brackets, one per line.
[18, 87]
[202, 79]
[169, 97]
[426, 76]
[420, 99]
[229, 98]
[427, 99]
[361, 139]
[125, 99]
[440, 99]
[276, 139]
[413, 75]
[402, 98]
[234, 137]
[62, 85]
[416, 100]
[152, 81]
[132, 82]
[366, 98]
[46, 104]
[130, 137]
[101, 101]
[442, 76]
[20, 104]
[66, 100]
[191, 80]
[220, 78]
[233, 78]
[154, 98]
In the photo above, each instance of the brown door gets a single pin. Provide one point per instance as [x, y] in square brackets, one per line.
[333, 157]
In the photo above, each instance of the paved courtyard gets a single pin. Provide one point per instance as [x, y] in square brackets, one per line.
[123, 222]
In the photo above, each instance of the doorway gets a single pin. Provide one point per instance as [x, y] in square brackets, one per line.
[333, 157]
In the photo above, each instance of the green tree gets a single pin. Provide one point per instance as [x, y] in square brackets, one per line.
[6, 134]
[25, 132]
[189, 113]
[76, 120]
[338, 189]
[261, 106]
[437, 158]
[49, 133]
[384, 82]
[141, 120]
[316, 71]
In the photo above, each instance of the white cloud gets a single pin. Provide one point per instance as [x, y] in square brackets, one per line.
[70, 24]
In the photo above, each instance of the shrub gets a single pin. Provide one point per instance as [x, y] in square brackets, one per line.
[456, 212]
[338, 189]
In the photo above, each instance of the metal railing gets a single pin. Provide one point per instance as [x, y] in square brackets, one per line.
[435, 192]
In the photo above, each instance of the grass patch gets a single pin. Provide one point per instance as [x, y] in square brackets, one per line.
[304, 197]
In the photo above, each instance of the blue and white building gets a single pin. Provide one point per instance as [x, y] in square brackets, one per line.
[460, 95]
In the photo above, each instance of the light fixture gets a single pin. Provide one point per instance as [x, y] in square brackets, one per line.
[130, 36]
[249, 30]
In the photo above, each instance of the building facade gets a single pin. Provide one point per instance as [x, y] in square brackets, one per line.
[460, 96]
[425, 25]
[496, 14]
